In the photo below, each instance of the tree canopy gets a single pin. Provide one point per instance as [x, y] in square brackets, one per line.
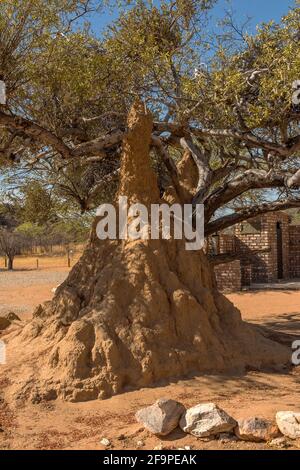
[231, 101]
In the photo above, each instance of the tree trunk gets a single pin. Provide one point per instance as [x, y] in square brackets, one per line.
[10, 265]
[134, 313]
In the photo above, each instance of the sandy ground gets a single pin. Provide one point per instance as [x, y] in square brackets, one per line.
[26, 287]
[57, 425]
[22, 291]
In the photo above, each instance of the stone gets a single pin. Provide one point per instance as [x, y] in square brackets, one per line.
[256, 430]
[280, 442]
[205, 420]
[208, 439]
[226, 437]
[296, 443]
[105, 442]
[4, 323]
[140, 444]
[158, 447]
[162, 417]
[289, 423]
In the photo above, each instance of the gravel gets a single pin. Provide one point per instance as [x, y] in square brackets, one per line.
[23, 303]
[31, 278]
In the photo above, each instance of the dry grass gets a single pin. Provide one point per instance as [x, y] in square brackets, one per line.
[43, 262]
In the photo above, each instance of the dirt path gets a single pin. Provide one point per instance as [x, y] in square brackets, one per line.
[57, 425]
[22, 291]
[279, 310]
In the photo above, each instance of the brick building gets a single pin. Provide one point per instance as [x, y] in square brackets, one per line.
[268, 250]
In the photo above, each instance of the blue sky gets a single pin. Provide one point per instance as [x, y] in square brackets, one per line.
[258, 10]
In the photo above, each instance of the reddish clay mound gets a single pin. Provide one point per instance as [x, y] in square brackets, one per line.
[132, 313]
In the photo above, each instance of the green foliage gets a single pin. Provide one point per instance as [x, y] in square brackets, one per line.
[71, 230]
[80, 87]
[58, 75]
[31, 230]
[274, 54]
[38, 205]
[63, 231]
[41, 217]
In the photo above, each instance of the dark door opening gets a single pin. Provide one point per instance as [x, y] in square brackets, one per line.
[279, 251]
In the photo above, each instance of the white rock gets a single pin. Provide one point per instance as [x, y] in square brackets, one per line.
[162, 417]
[256, 429]
[289, 423]
[105, 442]
[140, 444]
[205, 420]
[226, 437]
[280, 442]
[159, 447]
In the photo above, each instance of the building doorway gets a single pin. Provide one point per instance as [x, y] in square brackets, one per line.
[279, 251]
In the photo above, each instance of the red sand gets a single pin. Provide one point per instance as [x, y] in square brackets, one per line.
[57, 425]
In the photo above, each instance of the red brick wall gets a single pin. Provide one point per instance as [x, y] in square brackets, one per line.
[226, 243]
[294, 245]
[228, 276]
[263, 265]
[258, 234]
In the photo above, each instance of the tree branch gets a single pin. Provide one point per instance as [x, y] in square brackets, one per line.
[247, 137]
[249, 179]
[169, 163]
[248, 213]
[202, 162]
[36, 132]
[94, 147]
[47, 138]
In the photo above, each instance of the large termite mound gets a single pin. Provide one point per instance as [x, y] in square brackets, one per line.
[133, 313]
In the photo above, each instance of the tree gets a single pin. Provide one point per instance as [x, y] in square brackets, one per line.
[10, 245]
[235, 117]
[38, 205]
[8, 215]
[131, 314]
